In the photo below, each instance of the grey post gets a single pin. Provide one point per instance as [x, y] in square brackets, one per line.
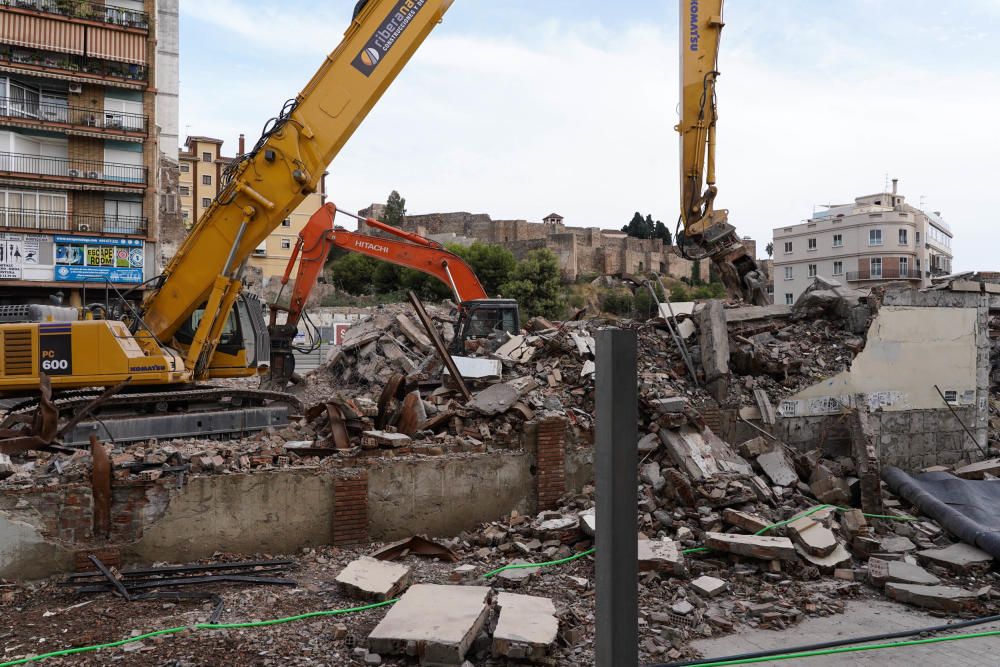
[617, 641]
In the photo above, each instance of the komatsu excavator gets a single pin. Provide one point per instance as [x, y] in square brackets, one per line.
[478, 315]
[707, 228]
[195, 324]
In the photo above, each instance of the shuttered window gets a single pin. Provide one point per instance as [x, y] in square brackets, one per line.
[116, 45]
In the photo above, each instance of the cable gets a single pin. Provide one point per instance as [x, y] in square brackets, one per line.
[836, 651]
[198, 626]
[838, 642]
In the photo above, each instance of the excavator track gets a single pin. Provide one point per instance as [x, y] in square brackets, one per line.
[213, 412]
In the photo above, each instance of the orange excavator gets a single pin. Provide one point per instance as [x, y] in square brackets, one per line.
[478, 315]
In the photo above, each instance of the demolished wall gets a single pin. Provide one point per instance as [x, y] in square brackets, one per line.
[917, 340]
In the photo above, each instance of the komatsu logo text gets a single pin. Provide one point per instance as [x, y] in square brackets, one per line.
[694, 34]
[387, 35]
[374, 247]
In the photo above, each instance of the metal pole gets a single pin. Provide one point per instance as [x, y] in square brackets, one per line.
[617, 641]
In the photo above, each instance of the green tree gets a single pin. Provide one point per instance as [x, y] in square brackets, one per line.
[696, 272]
[353, 273]
[636, 226]
[535, 283]
[679, 293]
[663, 233]
[769, 248]
[645, 306]
[493, 264]
[395, 210]
[617, 302]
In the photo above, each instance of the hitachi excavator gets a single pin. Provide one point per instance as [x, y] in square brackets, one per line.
[478, 315]
[195, 324]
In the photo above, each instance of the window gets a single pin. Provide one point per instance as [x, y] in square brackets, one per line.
[123, 162]
[123, 216]
[33, 210]
[788, 273]
[287, 222]
[838, 240]
[185, 168]
[876, 267]
[185, 191]
[812, 244]
[838, 268]
[185, 214]
[206, 157]
[206, 180]
[286, 244]
[788, 299]
[902, 237]
[904, 267]
[206, 202]
[124, 114]
[788, 247]
[916, 237]
[812, 270]
[874, 237]
[261, 250]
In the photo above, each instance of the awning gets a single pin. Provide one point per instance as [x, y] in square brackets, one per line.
[40, 33]
[118, 45]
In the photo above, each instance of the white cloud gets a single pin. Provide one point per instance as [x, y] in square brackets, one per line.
[578, 119]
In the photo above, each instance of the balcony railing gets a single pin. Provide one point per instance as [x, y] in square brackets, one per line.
[73, 65]
[885, 274]
[45, 113]
[72, 169]
[60, 221]
[84, 9]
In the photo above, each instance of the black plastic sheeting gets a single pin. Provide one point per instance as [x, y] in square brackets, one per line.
[968, 508]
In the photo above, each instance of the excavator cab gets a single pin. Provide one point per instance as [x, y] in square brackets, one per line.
[482, 318]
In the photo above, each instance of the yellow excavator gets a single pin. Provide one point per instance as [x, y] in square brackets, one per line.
[707, 231]
[196, 324]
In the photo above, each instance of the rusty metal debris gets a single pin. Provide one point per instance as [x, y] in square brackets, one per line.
[100, 482]
[416, 546]
[439, 346]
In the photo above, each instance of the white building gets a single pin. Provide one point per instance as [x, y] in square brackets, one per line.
[878, 238]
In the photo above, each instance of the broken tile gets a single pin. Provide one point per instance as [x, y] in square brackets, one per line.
[442, 620]
[708, 586]
[371, 579]
[527, 627]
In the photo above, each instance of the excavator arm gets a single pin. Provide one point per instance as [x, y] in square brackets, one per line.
[263, 187]
[706, 227]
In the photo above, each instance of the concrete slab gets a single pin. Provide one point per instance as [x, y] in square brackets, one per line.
[960, 557]
[709, 586]
[755, 546]
[527, 627]
[495, 399]
[895, 544]
[744, 520]
[942, 598]
[979, 470]
[370, 579]
[897, 571]
[660, 556]
[826, 564]
[777, 467]
[433, 622]
[812, 536]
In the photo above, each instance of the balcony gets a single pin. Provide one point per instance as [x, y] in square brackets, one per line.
[886, 274]
[83, 9]
[73, 170]
[31, 220]
[31, 113]
[77, 68]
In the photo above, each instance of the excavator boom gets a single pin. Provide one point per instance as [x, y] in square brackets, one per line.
[706, 227]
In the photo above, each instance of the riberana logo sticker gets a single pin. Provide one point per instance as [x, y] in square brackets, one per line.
[387, 35]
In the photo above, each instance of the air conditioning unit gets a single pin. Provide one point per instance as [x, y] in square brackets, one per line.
[74, 173]
[75, 88]
[83, 227]
[93, 174]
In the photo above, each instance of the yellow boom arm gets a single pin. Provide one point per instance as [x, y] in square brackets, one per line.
[265, 185]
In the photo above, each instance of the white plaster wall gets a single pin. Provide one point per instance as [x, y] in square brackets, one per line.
[909, 350]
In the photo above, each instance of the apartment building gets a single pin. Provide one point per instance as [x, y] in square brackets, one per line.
[202, 166]
[877, 238]
[80, 163]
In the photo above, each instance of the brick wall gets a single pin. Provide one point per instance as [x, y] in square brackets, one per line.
[88, 203]
[350, 508]
[551, 462]
[84, 148]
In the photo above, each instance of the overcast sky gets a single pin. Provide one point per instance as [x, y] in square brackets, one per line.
[520, 108]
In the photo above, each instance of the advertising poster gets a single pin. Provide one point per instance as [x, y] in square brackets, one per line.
[80, 259]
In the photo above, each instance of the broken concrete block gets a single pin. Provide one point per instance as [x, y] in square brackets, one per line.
[853, 522]
[829, 563]
[517, 350]
[662, 406]
[831, 490]
[412, 415]
[648, 443]
[881, 572]
[6, 466]
[751, 523]
[960, 558]
[413, 333]
[441, 620]
[701, 454]
[708, 586]
[777, 467]
[714, 343]
[979, 470]
[495, 399]
[527, 627]
[895, 544]
[383, 439]
[942, 598]
[751, 449]
[371, 579]
[812, 535]
[518, 576]
[588, 522]
[755, 546]
[660, 556]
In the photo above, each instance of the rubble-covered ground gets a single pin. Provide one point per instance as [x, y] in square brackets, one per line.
[711, 562]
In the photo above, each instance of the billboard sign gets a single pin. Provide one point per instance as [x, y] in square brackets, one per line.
[80, 258]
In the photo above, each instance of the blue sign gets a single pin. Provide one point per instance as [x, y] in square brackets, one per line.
[81, 258]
